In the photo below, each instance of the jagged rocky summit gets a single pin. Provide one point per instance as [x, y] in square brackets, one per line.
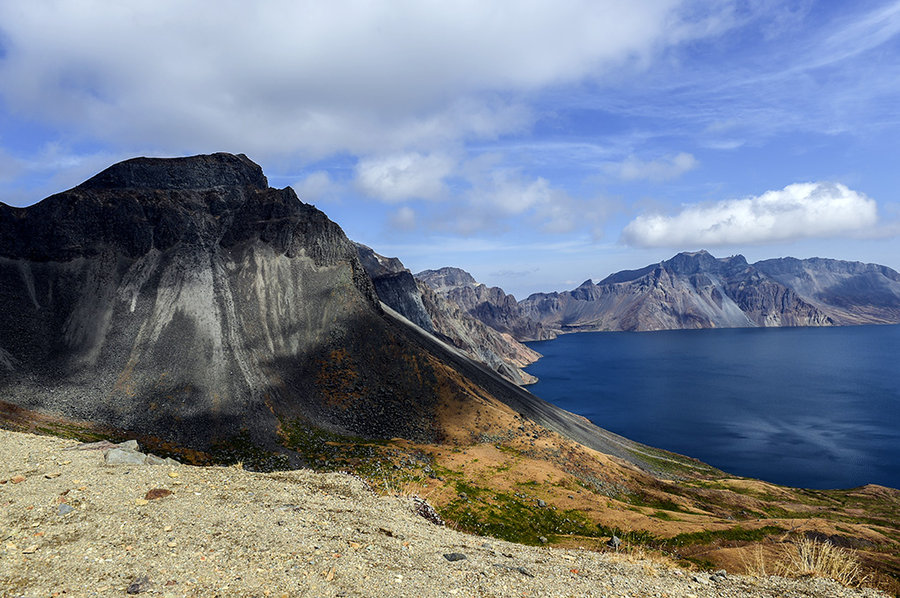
[491, 305]
[697, 290]
[187, 300]
[437, 314]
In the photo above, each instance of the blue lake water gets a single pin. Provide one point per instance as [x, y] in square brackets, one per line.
[807, 407]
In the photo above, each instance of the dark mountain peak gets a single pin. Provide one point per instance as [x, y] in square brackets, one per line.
[194, 172]
[157, 203]
[692, 263]
[587, 283]
[377, 264]
[446, 277]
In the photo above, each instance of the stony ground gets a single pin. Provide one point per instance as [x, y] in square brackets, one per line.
[73, 525]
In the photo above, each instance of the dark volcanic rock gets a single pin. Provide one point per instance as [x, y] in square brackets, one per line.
[395, 286]
[187, 299]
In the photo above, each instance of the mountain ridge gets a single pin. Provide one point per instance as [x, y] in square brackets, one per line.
[697, 290]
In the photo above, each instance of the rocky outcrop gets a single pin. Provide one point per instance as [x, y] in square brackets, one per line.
[849, 292]
[691, 290]
[419, 304]
[395, 286]
[490, 305]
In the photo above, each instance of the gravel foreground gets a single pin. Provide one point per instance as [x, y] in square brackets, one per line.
[73, 525]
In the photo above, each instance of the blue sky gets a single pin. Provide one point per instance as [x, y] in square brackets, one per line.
[535, 144]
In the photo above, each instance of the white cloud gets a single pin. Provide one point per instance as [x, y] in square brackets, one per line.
[311, 78]
[663, 169]
[317, 186]
[405, 176]
[404, 219]
[801, 210]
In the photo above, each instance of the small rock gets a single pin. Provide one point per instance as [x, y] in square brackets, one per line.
[700, 579]
[118, 456]
[53, 475]
[455, 556]
[541, 503]
[154, 460]
[157, 493]
[129, 445]
[17, 479]
[524, 571]
[543, 540]
[64, 509]
[30, 550]
[139, 585]
[614, 542]
[173, 474]
[141, 501]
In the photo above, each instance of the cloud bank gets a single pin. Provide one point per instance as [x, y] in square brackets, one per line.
[311, 78]
[801, 210]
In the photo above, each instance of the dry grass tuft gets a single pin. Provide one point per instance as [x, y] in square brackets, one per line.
[755, 565]
[822, 559]
[807, 558]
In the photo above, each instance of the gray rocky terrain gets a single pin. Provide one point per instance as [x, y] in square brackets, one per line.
[441, 316]
[490, 305]
[74, 524]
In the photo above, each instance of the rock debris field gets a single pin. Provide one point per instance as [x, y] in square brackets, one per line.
[106, 520]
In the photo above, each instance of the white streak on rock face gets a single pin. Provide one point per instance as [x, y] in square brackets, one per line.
[136, 277]
[249, 367]
[7, 360]
[28, 279]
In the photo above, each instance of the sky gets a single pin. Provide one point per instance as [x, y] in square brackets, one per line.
[535, 144]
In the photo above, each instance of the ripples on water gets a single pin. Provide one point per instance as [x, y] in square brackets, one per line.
[807, 407]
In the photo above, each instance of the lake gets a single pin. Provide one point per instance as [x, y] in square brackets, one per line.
[806, 407]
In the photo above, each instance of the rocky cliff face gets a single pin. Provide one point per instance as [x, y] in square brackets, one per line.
[490, 305]
[691, 290]
[436, 314]
[850, 292]
[187, 300]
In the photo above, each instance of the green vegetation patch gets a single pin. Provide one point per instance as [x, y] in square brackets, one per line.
[734, 534]
[500, 515]
[328, 451]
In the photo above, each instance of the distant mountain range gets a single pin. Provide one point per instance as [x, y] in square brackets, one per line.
[697, 290]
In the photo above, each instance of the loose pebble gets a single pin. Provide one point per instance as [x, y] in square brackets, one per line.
[455, 556]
